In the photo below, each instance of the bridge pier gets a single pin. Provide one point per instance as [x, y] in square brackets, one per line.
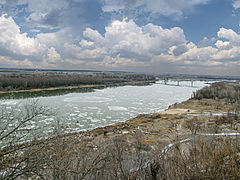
[165, 81]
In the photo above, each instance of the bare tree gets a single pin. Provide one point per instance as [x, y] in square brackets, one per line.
[17, 136]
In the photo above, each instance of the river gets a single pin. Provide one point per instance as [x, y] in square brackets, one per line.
[82, 111]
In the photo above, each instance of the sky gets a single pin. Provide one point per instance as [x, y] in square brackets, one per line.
[150, 36]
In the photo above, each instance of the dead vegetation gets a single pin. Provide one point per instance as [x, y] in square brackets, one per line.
[219, 90]
[40, 80]
[75, 157]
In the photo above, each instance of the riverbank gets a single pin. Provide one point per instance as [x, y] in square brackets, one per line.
[55, 91]
[194, 129]
[194, 139]
[34, 80]
[79, 86]
[179, 120]
[52, 88]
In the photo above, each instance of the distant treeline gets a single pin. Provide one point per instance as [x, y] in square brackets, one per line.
[219, 90]
[22, 81]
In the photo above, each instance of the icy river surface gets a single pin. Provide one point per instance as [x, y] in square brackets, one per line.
[82, 111]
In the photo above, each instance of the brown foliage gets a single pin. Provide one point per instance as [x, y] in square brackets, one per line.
[219, 90]
[23, 81]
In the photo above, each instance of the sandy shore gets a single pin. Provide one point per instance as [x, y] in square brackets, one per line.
[75, 87]
[178, 111]
[53, 88]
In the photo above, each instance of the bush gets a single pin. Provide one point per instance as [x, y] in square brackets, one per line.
[219, 90]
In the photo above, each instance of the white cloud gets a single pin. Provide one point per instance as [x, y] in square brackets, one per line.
[42, 47]
[207, 42]
[228, 50]
[93, 35]
[7, 61]
[86, 44]
[84, 53]
[127, 37]
[126, 40]
[55, 39]
[13, 40]
[53, 55]
[222, 44]
[230, 35]
[92, 54]
[228, 54]
[126, 45]
[236, 4]
[116, 62]
[52, 60]
[199, 54]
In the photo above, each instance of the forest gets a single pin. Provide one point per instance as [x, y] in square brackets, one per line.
[13, 81]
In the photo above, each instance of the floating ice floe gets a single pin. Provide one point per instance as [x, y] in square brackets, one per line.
[117, 108]
[9, 102]
[95, 120]
[94, 108]
[87, 99]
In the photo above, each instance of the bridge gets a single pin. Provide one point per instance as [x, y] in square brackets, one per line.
[177, 82]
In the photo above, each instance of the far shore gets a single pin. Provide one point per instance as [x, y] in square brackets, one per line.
[53, 88]
[75, 87]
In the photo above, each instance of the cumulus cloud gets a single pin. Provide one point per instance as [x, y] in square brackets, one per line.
[222, 44]
[126, 45]
[207, 42]
[229, 47]
[13, 40]
[86, 44]
[52, 59]
[125, 41]
[93, 35]
[53, 55]
[231, 54]
[29, 50]
[229, 34]
[110, 62]
[127, 36]
[52, 15]
[55, 39]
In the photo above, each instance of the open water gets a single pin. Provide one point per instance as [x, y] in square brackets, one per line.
[82, 111]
